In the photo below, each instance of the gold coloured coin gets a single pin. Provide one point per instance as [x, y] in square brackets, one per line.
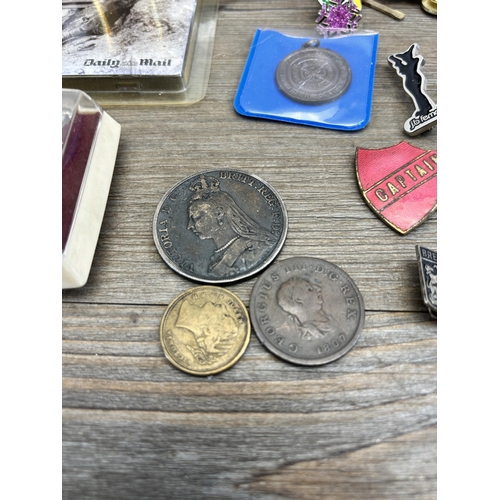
[205, 330]
[430, 6]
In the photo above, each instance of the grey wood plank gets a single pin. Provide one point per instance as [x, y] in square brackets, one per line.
[385, 451]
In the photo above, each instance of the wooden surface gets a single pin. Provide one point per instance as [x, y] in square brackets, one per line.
[362, 427]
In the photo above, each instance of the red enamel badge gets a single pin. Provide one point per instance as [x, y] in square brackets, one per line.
[399, 183]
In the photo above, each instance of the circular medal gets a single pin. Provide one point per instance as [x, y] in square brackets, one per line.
[313, 75]
[205, 330]
[306, 311]
[220, 226]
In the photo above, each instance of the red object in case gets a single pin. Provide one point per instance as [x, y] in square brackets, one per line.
[74, 162]
[90, 140]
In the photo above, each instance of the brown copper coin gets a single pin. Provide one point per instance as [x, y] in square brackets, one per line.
[307, 311]
[205, 330]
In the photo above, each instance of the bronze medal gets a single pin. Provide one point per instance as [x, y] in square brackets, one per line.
[313, 75]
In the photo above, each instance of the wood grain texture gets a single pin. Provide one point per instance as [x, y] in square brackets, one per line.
[364, 426]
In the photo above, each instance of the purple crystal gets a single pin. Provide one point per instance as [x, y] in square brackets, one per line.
[338, 17]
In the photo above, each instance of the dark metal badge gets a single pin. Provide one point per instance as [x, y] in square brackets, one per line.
[307, 311]
[408, 66]
[313, 75]
[220, 226]
[427, 270]
[399, 183]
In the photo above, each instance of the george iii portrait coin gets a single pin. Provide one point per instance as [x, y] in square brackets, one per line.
[205, 330]
[220, 226]
[306, 311]
[313, 75]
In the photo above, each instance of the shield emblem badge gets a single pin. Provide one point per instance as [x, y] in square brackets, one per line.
[427, 265]
[399, 183]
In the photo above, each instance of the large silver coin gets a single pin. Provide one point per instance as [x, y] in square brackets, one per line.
[313, 75]
[220, 226]
[307, 311]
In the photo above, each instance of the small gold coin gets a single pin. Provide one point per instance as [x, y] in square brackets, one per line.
[430, 6]
[205, 330]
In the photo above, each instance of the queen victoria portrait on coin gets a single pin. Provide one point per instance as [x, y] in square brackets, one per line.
[220, 226]
[240, 242]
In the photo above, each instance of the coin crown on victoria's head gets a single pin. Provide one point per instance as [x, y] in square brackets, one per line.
[203, 187]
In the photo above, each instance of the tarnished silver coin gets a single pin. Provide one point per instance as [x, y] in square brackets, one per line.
[312, 75]
[307, 311]
[220, 226]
